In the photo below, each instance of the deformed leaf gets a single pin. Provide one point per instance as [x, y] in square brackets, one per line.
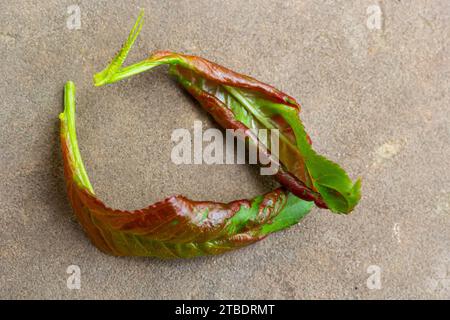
[176, 226]
[238, 101]
[179, 227]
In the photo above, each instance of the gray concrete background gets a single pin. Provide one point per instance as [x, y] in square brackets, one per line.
[375, 101]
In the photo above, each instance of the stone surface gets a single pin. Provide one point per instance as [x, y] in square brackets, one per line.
[375, 101]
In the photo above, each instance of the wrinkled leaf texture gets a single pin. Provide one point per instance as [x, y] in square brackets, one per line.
[179, 227]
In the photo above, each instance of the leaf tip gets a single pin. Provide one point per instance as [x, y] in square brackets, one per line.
[106, 75]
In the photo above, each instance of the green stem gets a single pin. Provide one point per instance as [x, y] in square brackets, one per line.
[68, 118]
[122, 73]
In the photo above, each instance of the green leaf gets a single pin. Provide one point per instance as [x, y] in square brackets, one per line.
[176, 226]
[251, 104]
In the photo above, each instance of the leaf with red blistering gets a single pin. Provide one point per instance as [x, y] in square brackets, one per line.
[238, 101]
[179, 227]
[176, 226]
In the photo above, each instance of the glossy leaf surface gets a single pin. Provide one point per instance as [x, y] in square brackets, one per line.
[176, 226]
[179, 227]
[238, 101]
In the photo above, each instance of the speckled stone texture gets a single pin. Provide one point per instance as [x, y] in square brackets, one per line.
[375, 101]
